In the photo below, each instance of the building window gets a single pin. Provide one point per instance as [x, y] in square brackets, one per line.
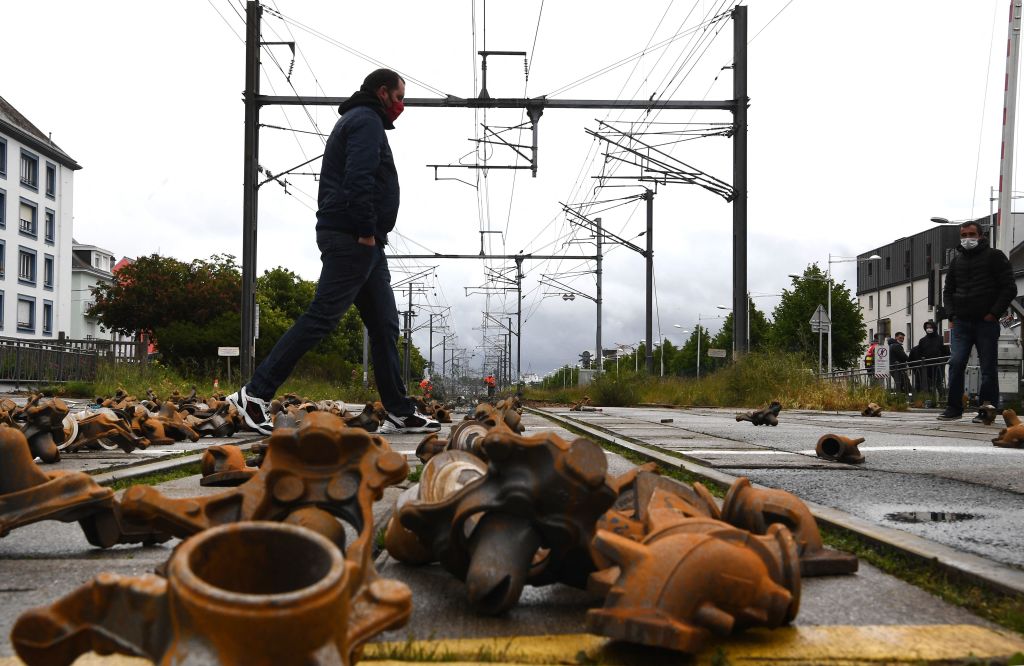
[1, 310]
[3, 209]
[906, 264]
[3, 259]
[50, 222]
[48, 271]
[888, 263]
[29, 170]
[26, 314]
[51, 180]
[869, 270]
[871, 302]
[888, 299]
[47, 317]
[3, 157]
[26, 266]
[910, 306]
[27, 218]
[871, 334]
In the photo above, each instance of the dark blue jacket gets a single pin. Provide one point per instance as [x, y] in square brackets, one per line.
[979, 282]
[358, 180]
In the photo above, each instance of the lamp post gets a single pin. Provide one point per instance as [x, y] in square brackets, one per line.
[700, 334]
[681, 330]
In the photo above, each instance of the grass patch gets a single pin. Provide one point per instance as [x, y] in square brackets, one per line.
[428, 651]
[415, 473]
[157, 477]
[754, 381]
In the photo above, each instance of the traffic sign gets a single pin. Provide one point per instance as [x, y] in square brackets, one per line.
[228, 351]
[881, 360]
[716, 353]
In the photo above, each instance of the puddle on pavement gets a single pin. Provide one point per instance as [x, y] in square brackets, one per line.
[929, 517]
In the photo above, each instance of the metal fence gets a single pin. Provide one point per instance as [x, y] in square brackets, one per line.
[925, 379]
[63, 360]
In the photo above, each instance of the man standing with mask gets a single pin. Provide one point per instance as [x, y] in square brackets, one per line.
[929, 347]
[358, 206]
[979, 287]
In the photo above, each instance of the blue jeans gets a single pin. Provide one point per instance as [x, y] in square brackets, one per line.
[985, 336]
[351, 273]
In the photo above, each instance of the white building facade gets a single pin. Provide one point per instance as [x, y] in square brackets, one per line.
[36, 196]
[90, 266]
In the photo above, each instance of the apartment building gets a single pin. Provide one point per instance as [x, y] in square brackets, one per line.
[90, 266]
[36, 195]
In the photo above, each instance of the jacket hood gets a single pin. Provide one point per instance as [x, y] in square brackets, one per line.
[932, 324]
[362, 98]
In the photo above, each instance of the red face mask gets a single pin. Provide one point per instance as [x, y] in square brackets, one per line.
[395, 110]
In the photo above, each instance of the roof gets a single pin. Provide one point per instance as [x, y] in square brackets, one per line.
[77, 265]
[13, 123]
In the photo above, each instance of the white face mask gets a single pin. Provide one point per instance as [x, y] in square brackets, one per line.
[929, 331]
[968, 243]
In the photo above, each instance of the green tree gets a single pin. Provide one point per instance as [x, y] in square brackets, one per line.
[791, 330]
[760, 328]
[683, 361]
[155, 292]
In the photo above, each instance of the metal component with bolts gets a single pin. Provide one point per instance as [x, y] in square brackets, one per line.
[678, 587]
[430, 446]
[44, 427]
[873, 409]
[755, 509]
[987, 413]
[467, 436]
[105, 430]
[29, 495]
[320, 470]
[1012, 436]
[537, 508]
[767, 416]
[224, 465]
[250, 593]
[839, 448]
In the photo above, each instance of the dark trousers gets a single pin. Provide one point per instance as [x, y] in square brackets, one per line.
[985, 336]
[351, 273]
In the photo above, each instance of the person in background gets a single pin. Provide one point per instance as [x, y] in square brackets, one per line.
[924, 353]
[898, 360]
[979, 287]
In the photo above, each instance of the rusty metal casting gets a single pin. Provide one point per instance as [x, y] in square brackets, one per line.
[755, 509]
[368, 419]
[678, 588]
[838, 448]
[444, 475]
[44, 426]
[103, 429]
[224, 465]
[252, 593]
[767, 416]
[987, 413]
[29, 495]
[537, 507]
[1012, 436]
[873, 409]
[312, 475]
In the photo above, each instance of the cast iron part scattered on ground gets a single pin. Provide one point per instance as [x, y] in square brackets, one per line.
[224, 465]
[103, 430]
[29, 495]
[873, 409]
[537, 508]
[43, 425]
[1012, 436]
[987, 413]
[767, 416]
[250, 593]
[311, 476]
[838, 448]
[755, 509]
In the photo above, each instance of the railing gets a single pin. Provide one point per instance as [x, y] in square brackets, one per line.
[63, 360]
[925, 379]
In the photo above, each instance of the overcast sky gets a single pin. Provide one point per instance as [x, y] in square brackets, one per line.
[865, 120]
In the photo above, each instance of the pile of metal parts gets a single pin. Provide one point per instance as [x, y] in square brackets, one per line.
[584, 405]
[767, 416]
[1012, 436]
[265, 574]
[501, 511]
[987, 413]
[873, 409]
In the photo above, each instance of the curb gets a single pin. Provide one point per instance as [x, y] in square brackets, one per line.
[985, 573]
[157, 466]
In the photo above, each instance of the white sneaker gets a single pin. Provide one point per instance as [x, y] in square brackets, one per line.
[413, 423]
[253, 411]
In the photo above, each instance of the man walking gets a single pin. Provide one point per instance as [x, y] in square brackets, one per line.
[979, 287]
[358, 206]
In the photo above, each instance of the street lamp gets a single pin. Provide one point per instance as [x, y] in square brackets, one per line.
[700, 331]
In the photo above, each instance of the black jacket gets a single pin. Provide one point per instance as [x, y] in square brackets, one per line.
[358, 180]
[979, 282]
[930, 346]
[897, 354]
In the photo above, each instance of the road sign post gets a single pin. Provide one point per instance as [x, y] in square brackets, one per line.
[229, 352]
[820, 323]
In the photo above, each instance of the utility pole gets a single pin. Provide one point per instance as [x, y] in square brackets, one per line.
[648, 196]
[1005, 218]
[597, 301]
[519, 319]
[430, 362]
[366, 357]
[739, 180]
[250, 198]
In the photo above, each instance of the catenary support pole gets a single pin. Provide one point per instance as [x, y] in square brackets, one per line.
[250, 174]
[519, 321]
[599, 352]
[366, 357]
[739, 180]
[649, 351]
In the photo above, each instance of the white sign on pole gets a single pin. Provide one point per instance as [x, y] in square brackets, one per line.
[882, 360]
[820, 321]
[228, 351]
[716, 353]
